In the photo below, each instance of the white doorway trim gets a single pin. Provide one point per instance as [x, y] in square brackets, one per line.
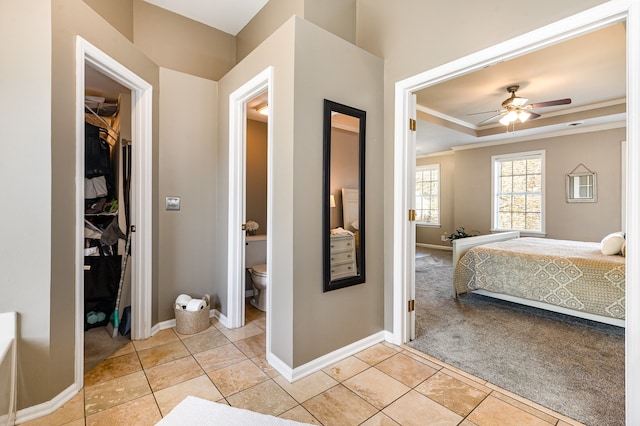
[237, 174]
[591, 19]
[141, 194]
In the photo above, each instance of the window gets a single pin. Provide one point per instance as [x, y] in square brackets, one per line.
[518, 192]
[428, 194]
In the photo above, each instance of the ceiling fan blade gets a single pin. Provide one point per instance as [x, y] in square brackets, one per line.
[490, 119]
[484, 112]
[533, 115]
[551, 103]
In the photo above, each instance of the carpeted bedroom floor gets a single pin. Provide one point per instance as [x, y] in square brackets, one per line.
[570, 365]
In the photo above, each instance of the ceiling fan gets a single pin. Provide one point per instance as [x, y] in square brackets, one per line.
[515, 108]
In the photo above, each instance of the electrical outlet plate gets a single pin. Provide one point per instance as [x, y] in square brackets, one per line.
[172, 203]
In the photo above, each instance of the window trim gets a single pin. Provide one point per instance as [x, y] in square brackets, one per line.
[435, 166]
[495, 159]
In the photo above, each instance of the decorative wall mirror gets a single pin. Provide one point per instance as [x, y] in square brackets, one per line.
[581, 185]
[343, 196]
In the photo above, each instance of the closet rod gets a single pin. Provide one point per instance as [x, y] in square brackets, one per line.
[101, 119]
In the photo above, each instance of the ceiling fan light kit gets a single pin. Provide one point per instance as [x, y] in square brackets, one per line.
[516, 108]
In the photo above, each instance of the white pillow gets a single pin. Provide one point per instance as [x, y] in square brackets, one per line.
[612, 244]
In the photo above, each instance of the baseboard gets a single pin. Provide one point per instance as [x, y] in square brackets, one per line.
[294, 374]
[220, 317]
[46, 408]
[434, 246]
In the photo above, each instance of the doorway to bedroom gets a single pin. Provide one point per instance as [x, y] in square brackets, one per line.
[413, 85]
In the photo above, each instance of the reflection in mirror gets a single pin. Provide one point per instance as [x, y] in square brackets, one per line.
[343, 196]
[581, 186]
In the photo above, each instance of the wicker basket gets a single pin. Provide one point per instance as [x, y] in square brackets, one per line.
[190, 322]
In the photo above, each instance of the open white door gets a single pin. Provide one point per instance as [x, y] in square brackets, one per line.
[411, 230]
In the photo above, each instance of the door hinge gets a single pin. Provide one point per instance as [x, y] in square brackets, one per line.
[412, 215]
[244, 226]
[412, 305]
[133, 228]
[412, 124]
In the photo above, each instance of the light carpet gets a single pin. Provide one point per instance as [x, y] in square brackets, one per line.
[195, 411]
[572, 366]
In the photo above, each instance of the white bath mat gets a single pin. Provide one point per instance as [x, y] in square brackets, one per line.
[194, 411]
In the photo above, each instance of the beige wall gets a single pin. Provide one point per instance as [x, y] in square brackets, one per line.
[39, 270]
[25, 173]
[599, 151]
[256, 171]
[431, 234]
[300, 328]
[118, 13]
[336, 16]
[343, 73]
[187, 158]
[181, 44]
[271, 17]
[276, 51]
[409, 35]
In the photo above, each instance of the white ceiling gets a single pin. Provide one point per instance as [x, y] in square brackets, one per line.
[229, 16]
[589, 69]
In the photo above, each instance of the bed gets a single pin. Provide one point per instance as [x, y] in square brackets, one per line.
[569, 277]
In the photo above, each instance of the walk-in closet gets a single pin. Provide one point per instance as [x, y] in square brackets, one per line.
[106, 239]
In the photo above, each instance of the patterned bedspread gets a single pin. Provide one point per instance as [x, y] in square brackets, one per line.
[571, 274]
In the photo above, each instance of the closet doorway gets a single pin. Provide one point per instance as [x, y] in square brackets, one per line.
[94, 68]
[107, 224]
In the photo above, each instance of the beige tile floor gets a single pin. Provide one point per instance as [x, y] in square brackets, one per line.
[382, 385]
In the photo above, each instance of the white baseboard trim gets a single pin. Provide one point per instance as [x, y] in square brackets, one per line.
[46, 408]
[434, 246]
[220, 317]
[293, 374]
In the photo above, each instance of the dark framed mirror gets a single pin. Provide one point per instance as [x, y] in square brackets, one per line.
[343, 196]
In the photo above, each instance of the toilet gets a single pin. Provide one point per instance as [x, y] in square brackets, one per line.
[255, 259]
[258, 275]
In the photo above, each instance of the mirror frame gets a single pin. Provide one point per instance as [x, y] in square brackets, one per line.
[570, 185]
[328, 284]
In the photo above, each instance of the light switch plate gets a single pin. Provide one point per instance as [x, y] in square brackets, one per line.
[172, 203]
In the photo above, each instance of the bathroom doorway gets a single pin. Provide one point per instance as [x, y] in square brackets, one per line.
[256, 218]
[243, 103]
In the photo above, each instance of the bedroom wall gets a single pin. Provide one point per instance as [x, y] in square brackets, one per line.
[599, 151]
[256, 195]
[426, 234]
